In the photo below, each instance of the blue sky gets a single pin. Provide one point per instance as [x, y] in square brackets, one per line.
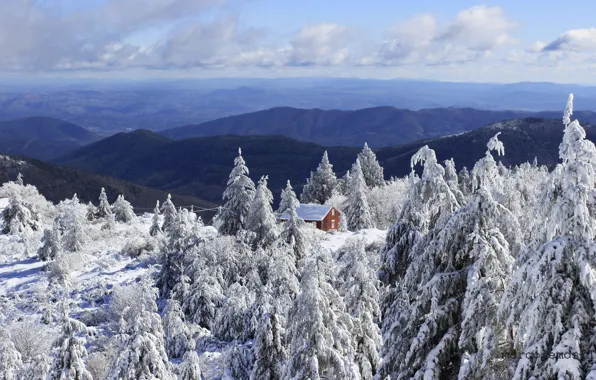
[458, 40]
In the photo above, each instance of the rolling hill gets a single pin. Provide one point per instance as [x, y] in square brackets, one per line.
[42, 137]
[200, 166]
[57, 183]
[378, 126]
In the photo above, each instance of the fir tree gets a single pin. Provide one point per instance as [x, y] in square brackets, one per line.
[155, 228]
[103, 209]
[319, 187]
[362, 302]
[178, 339]
[10, 358]
[18, 217]
[261, 220]
[270, 354]
[320, 329]
[70, 352]
[550, 302]
[294, 231]
[357, 210]
[110, 223]
[142, 354]
[74, 236]
[91, 212]
[371, 169]
[19, 180]
[169, 214]
[51, 244]
[238, 195]
[238, 363]
[123, 211]
[191, 367]
[288, 199]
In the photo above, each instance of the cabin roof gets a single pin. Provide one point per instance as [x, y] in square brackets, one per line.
[308, 211]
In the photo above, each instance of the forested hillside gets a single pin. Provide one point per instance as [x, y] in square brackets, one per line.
[481, 273]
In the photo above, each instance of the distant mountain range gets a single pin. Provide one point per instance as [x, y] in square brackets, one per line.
[42, 137]
[200, 166]
[57, 183]
[379, 126]
[106, 107]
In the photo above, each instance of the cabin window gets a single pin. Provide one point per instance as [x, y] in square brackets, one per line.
[333, 224]
[332, 212]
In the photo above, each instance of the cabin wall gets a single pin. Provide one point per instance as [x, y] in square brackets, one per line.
[331, 221]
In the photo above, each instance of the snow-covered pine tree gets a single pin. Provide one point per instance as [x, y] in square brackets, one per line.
[238, 362]
[229, 323]
[319, 327]
[169, 213]
[357, 211]
[238, 195]
[294, 228]
[371, 169]
[19, 180]
[123, 211]
[486, 173]
[74, 236]
[70, 352]
[551, 299]
[51, 243]
[110, 223]
[91, 212]
[442, 333]
[141, 353]
[155, 228]
[288, 198]
[36, 369]
[206, 295]
[282, 278]
[360, 294]
[10, 358]
[270, 353]
[261, 220]
[190, 368]
[103, 209]
[17, 218]
[178, 338]
[319, 187]
[465, 181]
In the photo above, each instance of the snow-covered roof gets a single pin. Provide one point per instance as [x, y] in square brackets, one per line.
[310, 211]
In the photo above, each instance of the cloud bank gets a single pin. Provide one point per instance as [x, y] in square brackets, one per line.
[204, 34]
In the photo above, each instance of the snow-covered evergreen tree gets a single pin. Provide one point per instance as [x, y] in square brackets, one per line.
[178, 338]
[51, 244]
[362, 302]
[17, 218]
[103, 209]
[294, 232]
[123, 211]
[319, 328]
[110, 223]
[551, 300]
[238, 363]
[238, 195]
[19, 180]
[371, 169]
[270, 353]
[169, 213]
[463, 254]
[141, 353]
[91, 212]
[486, 173]
[70, 352]
[190, 368]
[288, 199]
[10, 358]
[155, 228]
[74, 236]
[357, 211]
[261, 220]
[319, 187]
[36, 369]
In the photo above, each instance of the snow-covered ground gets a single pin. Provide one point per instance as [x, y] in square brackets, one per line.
[24, 283]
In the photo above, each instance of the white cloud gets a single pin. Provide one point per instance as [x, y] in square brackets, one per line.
[576, 40]
[324, 44]
[472, 35]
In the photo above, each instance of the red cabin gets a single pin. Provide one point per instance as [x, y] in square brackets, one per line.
[324, 217]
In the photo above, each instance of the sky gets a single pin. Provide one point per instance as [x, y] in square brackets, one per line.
[455, 40]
